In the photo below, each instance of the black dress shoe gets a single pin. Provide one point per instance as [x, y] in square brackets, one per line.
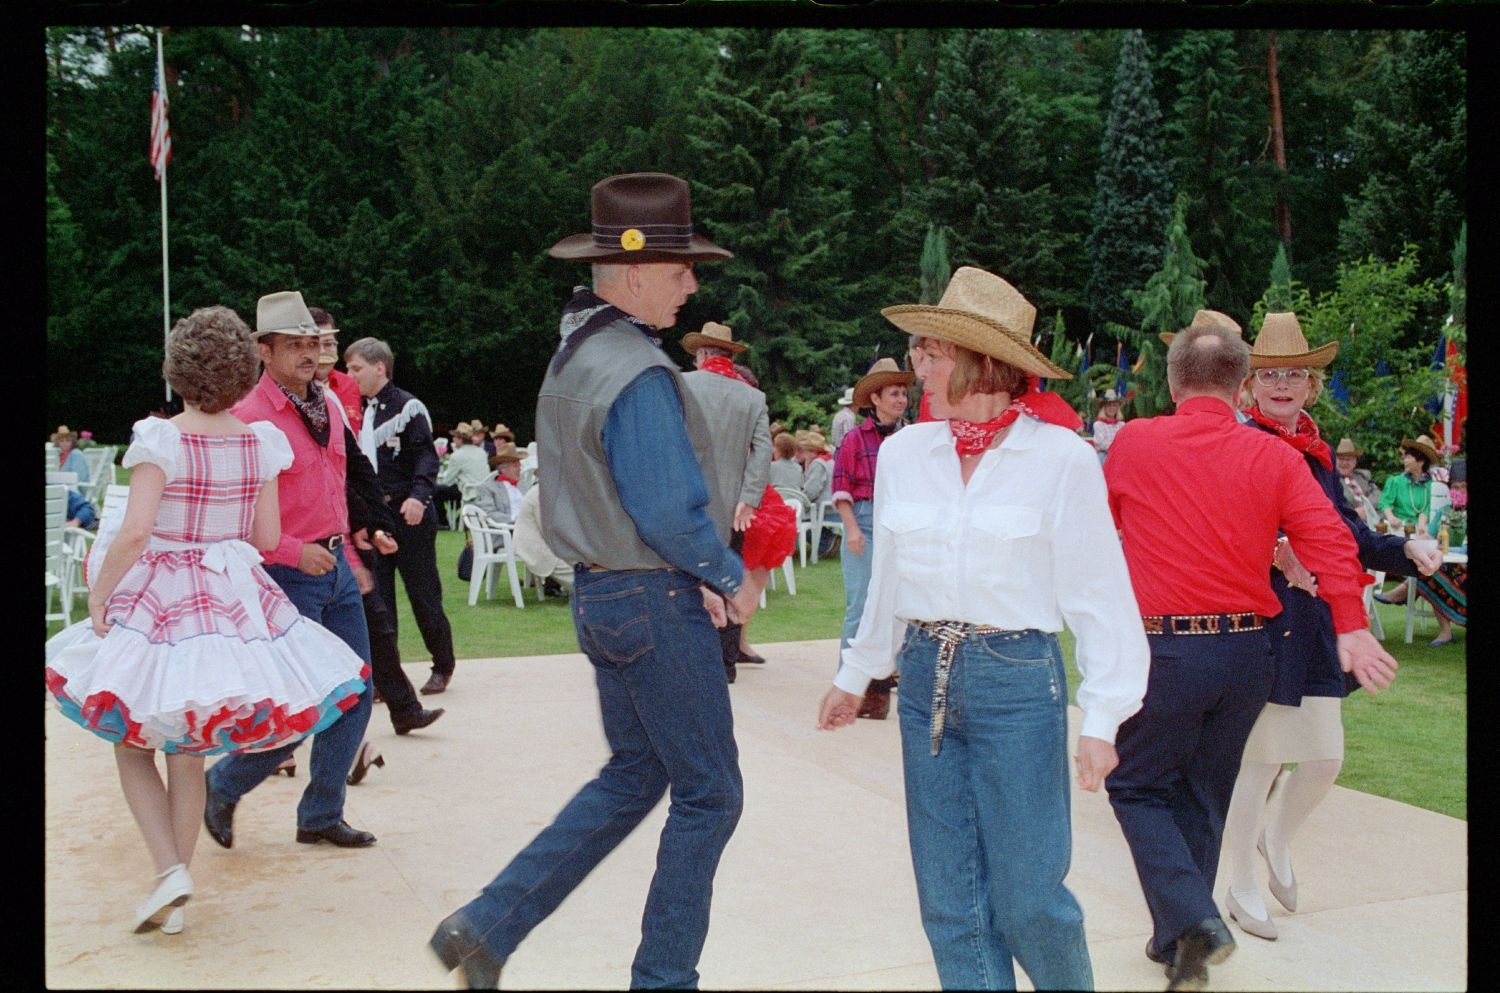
[340, 834]
[436, 683]
[455, 944]
[751, 658]
[1162, 958]
[729, 672]
[417, 721]
[1204, 944]
[218, 816]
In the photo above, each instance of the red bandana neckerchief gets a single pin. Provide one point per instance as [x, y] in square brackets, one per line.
[973, 437]
[722, 365]
[1305, 439]
[1107, 420]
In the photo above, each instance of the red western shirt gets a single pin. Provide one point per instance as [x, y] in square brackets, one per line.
[311, 490]
[347, 390]
[1198, 499]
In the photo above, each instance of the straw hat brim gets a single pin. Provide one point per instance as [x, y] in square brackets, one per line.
[1317, 358]
[1432, 454]
[1166, 337]
[974, 332]
[582, 247]
[877, 381]
[694, 340]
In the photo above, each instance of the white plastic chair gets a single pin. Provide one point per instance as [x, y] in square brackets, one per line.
[494, 545]
[825, 517]
[56, 477]
[797, 500]
[1371, 611]
[59, 557]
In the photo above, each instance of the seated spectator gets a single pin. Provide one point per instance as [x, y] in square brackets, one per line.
[463, 472]
[785, 469]
[531, 547]
[69, 458]
[1360, 491]
[80, 512]
[500, 497]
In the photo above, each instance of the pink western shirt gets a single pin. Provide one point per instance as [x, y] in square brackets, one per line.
[311, 490]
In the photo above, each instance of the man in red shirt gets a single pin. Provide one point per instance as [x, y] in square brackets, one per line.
[1199, 501]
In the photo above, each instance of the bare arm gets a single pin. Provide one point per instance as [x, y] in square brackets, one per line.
[265, 528]
[147, 482]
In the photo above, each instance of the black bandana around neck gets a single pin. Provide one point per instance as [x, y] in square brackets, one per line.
[583, 316]
[314, 411]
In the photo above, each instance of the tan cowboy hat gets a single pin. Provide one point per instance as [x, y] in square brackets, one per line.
[1281, 344]
[1110, 396]
[640, 217]
[501, 431]
[811, 439]
[982, 312]
[283, 313]
[1346, 447]
[462, 431]
[883, 373]
[1206, 318]
[64, 432]
[506, 451]
[713, 335]
[1424, 445]
[848, 397]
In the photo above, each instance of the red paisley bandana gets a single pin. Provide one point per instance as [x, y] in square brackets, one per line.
[722, 365]
[973, 437]
[1305, 439]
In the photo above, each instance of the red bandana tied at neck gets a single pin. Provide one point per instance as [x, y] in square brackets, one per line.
[1305, 439]
[722, 365]
[973, 437]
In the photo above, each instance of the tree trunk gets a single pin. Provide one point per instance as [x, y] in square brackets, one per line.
[1278, 145]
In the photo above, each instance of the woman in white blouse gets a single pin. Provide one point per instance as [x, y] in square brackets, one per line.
[993, 531]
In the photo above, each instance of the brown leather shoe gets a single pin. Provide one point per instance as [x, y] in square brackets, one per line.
[436, 683]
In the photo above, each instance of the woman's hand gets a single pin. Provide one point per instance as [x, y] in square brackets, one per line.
[96, 614]
[837, 709]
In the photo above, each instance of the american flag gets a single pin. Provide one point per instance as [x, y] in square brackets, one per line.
[161, 134]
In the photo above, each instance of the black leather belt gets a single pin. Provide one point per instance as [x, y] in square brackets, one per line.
[1203, 623]
[331, 542]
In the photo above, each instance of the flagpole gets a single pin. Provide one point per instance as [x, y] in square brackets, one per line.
[166, 295]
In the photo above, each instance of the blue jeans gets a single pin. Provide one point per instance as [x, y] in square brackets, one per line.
[856, 573]
[333, 601]
[1179, 757]
[665, 707]
[988, 816]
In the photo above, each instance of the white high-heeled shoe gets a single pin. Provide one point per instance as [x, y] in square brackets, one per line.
[174, 890]
[1261, 927]
[1285, 893]
[174, 922]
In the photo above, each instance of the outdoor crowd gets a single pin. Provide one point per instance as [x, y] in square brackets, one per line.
[243, 598]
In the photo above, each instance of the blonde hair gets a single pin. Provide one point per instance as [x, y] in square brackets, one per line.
[1315, 379]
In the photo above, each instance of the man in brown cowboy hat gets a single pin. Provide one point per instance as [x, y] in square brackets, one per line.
[739, 424]
[500, 495]
[1360, 491]
[1200, 575]
[625, 501]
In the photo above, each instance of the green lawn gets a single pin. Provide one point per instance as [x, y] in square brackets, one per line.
[1408, 744]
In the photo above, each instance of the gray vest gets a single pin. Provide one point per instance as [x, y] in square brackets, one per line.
[582, 519]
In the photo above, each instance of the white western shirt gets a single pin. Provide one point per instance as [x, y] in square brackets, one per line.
[1028, 543]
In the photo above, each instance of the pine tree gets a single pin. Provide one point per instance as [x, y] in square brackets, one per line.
[936, 270]
[1278, 297]
[1172, 295]
[1133, 195]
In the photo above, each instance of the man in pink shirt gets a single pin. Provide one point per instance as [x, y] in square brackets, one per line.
[309, 564]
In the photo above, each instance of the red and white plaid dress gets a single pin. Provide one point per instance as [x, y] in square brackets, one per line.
[205, 653]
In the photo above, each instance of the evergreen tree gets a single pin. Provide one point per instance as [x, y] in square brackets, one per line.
[1133, 195]
[1458, 294]
[1278, 296]
[936, 270]
[1171, 296]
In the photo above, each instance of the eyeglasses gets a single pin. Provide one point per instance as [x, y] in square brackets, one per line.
[1270, 377]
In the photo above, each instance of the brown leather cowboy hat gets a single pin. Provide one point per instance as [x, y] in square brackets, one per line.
[640, 217]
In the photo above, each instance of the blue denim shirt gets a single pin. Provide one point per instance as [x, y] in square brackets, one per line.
[660, 482]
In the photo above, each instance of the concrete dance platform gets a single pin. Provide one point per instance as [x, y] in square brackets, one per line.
[815, 890]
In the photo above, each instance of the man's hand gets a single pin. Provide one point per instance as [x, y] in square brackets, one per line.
[363, 578]
[1096, 759]
[1296, 573]
[854, 540]
[742, 606]
[743, 515]
[412, 510]
[714, 604]
[315, 560]
[1424, 555]
[1371, 664]
[837, 709]
[384, 543]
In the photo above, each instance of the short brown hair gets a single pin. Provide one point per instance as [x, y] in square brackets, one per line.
[785, 445]
[974, 372]
[321, 317]
[1219, 365]
[211, 362]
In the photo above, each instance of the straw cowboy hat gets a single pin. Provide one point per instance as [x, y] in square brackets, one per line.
[1346, 447]
[713, 335]
[501, 431]
[640, 217]
[463, 431]
[283, 313]
[506, 451]
[477, 426]
[1281, 344]
[812, 440]
[1206, 318]
[983, 313]
[1424, 445]
[1110, 396]
[882, 374]
[848, 397]
[64, 433]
